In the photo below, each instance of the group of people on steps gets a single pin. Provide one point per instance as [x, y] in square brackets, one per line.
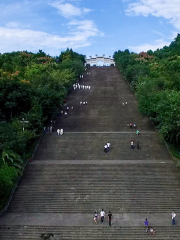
[102, 216]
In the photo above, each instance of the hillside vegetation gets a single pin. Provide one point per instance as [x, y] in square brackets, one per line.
[32, 88]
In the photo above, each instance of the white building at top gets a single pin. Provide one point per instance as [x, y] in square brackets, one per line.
[100, 61]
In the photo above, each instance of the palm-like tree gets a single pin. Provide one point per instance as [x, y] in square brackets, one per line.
[13, 159]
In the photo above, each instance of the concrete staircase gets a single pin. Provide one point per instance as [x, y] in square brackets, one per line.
[104, 112]
[70, 176]
[89, 146]
[123, 188]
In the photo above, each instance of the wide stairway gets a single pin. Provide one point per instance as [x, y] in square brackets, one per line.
[70, 176]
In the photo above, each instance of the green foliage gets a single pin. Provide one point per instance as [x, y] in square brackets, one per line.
[70, 55]
[76, 67]
[34, 118]
[8, 176]
[173, 49]
[13, 137]
[15, 96]
[13, 160]
[135, 71]
[32, 87]
[168, 113]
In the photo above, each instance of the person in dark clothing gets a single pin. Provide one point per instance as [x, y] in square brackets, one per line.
[109, 218]
[138, 147]
[95, 217]
[151, 231]
[173, 222]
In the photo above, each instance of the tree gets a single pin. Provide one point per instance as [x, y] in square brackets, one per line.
[75, 67]
[15, 96]
[32, 87]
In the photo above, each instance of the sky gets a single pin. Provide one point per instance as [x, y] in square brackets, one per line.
[89, 27]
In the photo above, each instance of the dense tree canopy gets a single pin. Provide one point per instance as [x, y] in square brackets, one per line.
[32, 88]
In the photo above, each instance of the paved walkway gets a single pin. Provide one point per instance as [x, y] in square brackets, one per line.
[51, 219]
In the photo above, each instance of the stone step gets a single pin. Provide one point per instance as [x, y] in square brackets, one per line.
[84, 188]
[83, 233]
[102, 113]
[89, 146]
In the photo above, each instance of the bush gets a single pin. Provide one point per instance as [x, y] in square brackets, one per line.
[8, 176]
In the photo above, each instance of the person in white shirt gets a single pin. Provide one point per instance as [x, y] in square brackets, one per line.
[108, 146]
[80, 103]
[132, 145]
[173, 215]
[89, 87]
[61, 132]
[58, 131]
[84, 103]
[102, 213]
[105, 148]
